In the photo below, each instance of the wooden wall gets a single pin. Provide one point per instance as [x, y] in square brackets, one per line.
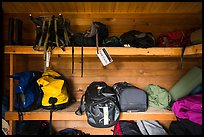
[139, 71]
[120, 17]
[117, 23]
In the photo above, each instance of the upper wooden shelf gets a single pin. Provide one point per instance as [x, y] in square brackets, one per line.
[69, 114]
[113, 51]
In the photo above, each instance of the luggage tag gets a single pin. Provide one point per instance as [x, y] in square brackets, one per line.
[105, 117]
[104, 57]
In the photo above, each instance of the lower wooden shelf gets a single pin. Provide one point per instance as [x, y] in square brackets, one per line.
[69, 114]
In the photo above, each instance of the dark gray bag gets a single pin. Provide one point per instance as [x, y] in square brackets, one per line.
[130, 98]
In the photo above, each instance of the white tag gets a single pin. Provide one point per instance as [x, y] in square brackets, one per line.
[126, 45]
[104, 57]
[47, 58]
[105, 117]
[5, 127]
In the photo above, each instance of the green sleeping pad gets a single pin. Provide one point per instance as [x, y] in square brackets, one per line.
[187, 83]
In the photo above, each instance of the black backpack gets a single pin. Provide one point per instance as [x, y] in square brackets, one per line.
[100, 105]
[138, 39]
[88, 38]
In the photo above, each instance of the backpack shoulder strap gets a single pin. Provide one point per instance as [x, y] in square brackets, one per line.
[81, 107]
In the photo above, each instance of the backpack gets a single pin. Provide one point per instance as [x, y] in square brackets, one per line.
[180, 38]
[158, 97]
[54, 87]
[88, 38]
[151, 127]
[185, 127]
[28, 93]
[100, 105]
[189, 107]
[130, 98]
[126, 127]
[51, 31]
[137, 39]
[70, 131]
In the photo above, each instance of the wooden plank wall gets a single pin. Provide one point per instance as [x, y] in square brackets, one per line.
[139, 71]
[117, 23]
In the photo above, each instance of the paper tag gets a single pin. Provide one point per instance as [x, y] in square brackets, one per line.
[104, 57]
[5, 127]
[105, 112]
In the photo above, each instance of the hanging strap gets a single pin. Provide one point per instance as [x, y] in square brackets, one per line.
[73, 56]
[82, 57]
[97, 40]
[56, 36]
[20, 114]
[182, 55]
[81, 107]
[43, 27]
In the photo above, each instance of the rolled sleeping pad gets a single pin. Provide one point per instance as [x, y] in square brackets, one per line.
[187, 83]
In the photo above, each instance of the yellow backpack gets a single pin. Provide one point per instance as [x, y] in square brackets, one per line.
[53, 86]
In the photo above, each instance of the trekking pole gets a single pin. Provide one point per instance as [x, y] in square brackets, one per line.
[52, 100]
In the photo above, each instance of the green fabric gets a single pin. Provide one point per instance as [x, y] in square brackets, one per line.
[158, 97]
[187, 83]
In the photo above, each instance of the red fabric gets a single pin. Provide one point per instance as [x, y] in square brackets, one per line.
[175, 38]
[117, 129]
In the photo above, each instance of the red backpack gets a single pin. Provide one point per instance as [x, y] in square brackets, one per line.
[180, 38]
[126, 127]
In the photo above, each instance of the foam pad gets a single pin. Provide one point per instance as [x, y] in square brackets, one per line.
[187, 83]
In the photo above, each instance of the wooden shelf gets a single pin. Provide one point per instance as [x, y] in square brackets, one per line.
[69, 114]
[113, 51]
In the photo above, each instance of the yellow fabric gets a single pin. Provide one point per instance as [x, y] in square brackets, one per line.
[53, 87]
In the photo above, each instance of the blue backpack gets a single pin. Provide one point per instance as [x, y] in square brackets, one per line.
[28, 93]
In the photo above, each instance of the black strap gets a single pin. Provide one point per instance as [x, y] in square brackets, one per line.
[11, 31]
[20, 114]
[81, 107]
[73, 56]
[97, 40]
[82, 57]
[182, 55]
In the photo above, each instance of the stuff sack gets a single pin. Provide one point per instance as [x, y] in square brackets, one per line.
[100, 105]
[53, 85]
[70, 131]
[130, 98]
[126, 127]
[185, 127]
[196, 37]
[180, 38]
[138, 39]
[187, 83]
[88, 38]
[151, 127]
[158, 97]
[28, 93]
[189, 107]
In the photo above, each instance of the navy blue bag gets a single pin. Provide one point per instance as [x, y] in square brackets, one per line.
[28, 93]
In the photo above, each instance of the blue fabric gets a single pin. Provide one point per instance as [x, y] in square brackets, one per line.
[5, 105]
[197, 90]
[27, 88]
